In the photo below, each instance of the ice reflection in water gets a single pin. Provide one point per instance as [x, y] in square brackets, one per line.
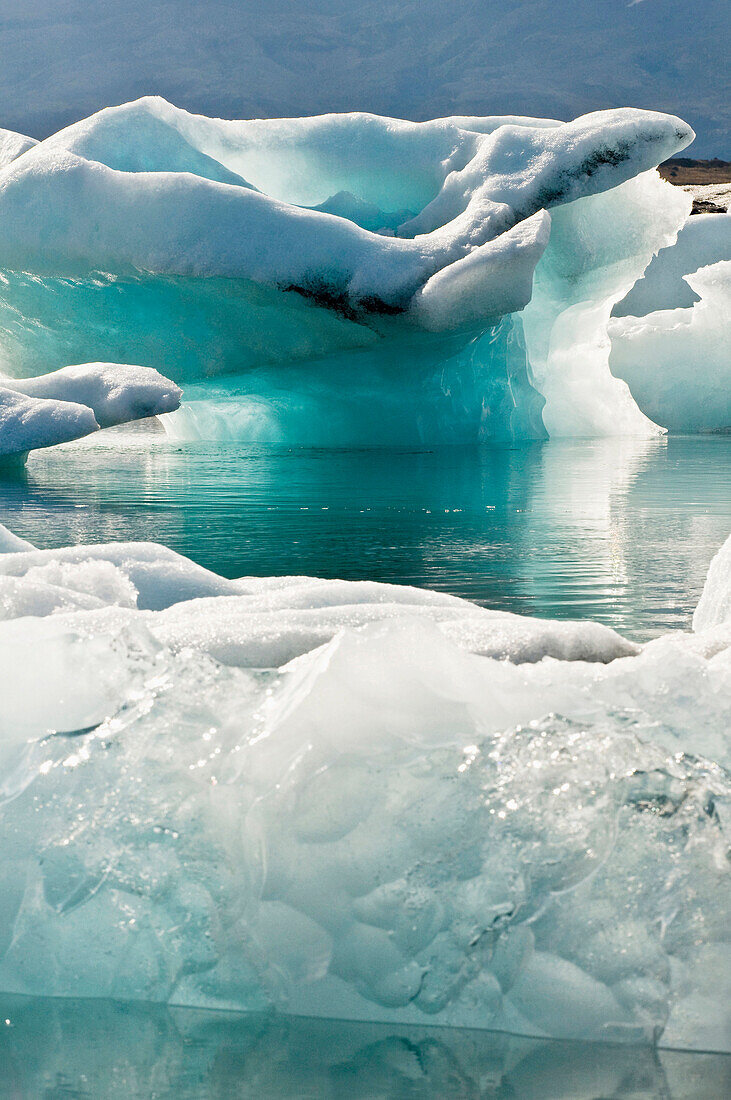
[621, 531]
[105, 1049]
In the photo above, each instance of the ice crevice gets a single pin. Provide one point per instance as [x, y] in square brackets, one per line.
[359, 800]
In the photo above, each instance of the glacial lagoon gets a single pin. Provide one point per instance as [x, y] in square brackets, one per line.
[620, 531]
[263, 771]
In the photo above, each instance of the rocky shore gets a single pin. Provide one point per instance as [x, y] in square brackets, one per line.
[708, 181]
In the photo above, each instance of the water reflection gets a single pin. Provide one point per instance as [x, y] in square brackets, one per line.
[617, 530]
[82, 1049]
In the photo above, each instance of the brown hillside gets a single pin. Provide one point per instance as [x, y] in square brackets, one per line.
[683, 171]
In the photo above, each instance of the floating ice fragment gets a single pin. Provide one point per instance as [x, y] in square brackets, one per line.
[159, 576]
[11, 544]
[75, 401]
[30, 422]
[115, 392]
[714, 606]
[390, 826]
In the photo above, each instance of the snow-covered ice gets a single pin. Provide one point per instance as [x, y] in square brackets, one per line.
[30, 422]
[12, 145]
[75, 401]
[344, 278]
[115, 392]
[359, 800]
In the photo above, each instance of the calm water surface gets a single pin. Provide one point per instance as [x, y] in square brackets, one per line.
[103, 1050]
[618, 531]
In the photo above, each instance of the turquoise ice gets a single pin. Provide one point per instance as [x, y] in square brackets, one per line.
[344, 278]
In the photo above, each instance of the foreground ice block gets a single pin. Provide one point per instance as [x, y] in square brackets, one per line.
[360, 801]
[344, 278]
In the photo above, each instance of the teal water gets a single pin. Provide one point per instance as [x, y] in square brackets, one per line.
[621, 532]
[617, 531]
[103, 1050]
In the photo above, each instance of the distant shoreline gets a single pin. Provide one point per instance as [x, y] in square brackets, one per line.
[708, 181]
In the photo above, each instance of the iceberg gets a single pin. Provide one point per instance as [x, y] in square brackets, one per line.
[12, 145]
[29, 422]
[676, 361]
[714, 606]
[670, 334]
[343, 278]
[75, 401]
[705, 239]
[360, 801]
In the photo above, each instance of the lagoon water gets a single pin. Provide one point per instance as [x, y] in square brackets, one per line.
[89, 1050]
[620, 531]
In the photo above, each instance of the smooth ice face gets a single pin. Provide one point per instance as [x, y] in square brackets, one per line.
[676, 361]
[332, 798]
[339, 279]
[714, 606]
[75, 401]
[670, 335]
[705, 239]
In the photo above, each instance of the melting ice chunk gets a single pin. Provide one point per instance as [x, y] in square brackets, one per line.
[75, 401]
[391, 826]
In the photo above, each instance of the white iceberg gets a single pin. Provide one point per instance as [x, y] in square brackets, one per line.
[676, 361]
[12, 145]
[714, 606]
[30, 422]
[343, 278]
[357, 800]
[670, 335]
[10, 543]
[75, 401]
[705, 239]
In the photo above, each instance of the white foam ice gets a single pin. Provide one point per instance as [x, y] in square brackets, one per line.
[359, 800]
[75, 401]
